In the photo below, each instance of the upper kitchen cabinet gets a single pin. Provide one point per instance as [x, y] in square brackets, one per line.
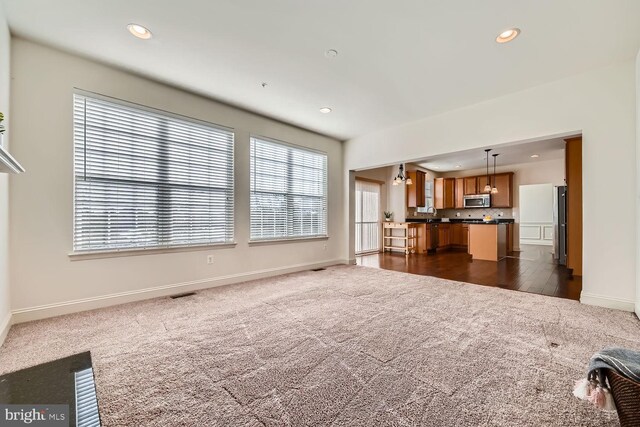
[460, 193]
[504, 197]
[471, 185]
[415, 191]
[444, 193]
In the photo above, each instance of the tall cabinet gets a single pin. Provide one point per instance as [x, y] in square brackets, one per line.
[415, 191]
[460, 193]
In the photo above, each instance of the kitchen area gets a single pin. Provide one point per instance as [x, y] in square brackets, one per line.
[459, 217]
[482, 235]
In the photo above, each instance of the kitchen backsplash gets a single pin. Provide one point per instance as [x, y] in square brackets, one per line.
[464, 213]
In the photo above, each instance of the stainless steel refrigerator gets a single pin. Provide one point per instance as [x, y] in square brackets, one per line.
[560, 224]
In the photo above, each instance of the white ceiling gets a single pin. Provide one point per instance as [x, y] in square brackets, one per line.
[398, 61]
[508, 154]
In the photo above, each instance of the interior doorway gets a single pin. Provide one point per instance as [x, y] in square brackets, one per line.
[367, 220]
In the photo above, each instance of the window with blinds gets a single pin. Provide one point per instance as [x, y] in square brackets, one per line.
[288, 191]
[148, 179]
[367, 219]
[428, 198]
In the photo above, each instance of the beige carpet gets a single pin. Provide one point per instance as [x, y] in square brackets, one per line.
[349, 346]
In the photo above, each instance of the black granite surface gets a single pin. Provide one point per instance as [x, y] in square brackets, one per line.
[462, 220]
[49, 383]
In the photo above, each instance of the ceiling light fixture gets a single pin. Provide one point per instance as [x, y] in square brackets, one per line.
[458, 166]
[487, 188]
[508, 35]
[494, 190]
[401, 177]
[331, 53]
[535, 156]
[139, 31]
[325, 110]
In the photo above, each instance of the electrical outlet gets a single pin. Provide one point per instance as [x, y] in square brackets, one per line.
[209, 259]
[324, 247]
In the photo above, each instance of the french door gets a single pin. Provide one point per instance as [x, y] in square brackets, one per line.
[367, 216]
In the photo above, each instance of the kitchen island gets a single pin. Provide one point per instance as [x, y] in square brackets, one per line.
[488, 241]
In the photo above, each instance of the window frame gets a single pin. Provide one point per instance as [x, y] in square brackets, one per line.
[77, 254]
[290, 238]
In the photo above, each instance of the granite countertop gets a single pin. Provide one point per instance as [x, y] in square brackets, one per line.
[462, 220]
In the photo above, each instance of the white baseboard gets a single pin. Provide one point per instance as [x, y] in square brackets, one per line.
[535, 242]
[5, 325]
[608, 302]
[74, 306]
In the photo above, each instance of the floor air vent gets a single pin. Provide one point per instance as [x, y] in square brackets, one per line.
[186, 294]
[319, 269]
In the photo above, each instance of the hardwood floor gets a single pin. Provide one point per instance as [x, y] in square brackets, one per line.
[531, 270]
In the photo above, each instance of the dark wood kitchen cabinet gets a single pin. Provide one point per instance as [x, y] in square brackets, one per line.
[415, 191]
[465, 235]
[456, 234]
[509, 238]
[504, 198]
[459, 234]
[471, 185]
[444, 235]
[459, 193]
[444, 193]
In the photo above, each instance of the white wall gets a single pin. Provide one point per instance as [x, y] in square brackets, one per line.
[536, 214]
[600, 104]
[5, 297]
[44, 278]
[396, 195]
[638, 184]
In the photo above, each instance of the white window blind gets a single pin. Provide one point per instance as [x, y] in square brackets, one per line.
[147, 179]
[288, 191]
[367, 216]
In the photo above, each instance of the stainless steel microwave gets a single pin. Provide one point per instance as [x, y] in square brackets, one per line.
[477, 201]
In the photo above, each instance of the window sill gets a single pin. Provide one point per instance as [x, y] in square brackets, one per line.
[79, 256]
[288, 240]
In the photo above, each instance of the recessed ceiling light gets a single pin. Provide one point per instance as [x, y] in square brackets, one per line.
[458, 166]
[325, 110]
[139, 31]
[535, 156]
[331, 53]
[508, 35]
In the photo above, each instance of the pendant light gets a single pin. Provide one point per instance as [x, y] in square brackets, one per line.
[494, 190]
[487, 188]
[401, 178]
